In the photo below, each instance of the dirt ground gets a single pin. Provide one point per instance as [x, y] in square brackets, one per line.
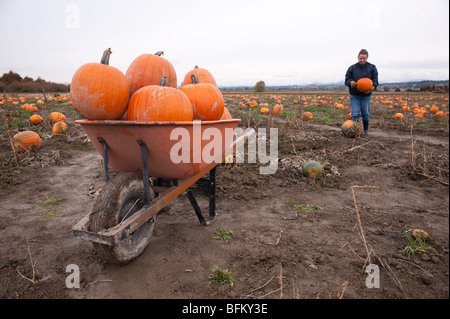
[292, 236]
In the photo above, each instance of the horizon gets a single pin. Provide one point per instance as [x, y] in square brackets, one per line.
[272, 85]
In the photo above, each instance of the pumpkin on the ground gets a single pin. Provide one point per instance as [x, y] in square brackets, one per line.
[59, 128]
[264, 110]
[29, 107]
[398, 116]
[278, 109]
[351, 128]
[434, 109]
[26, 141]
[159, 103]
[36, 119]
[307, 116]
[147, 69]
[312, 169]
[99, 91]
[56, 117]
[207, 100]
[364, 85]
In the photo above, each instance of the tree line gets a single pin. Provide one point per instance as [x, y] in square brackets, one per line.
[12, 82]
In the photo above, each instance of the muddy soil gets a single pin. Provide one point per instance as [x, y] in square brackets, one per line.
[289, 236]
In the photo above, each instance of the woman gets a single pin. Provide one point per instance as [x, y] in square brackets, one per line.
[359, 101]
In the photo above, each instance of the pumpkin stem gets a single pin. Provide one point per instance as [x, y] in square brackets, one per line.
[105, 57]
[194, 79]
[159, 53]
[196, 67]
[163, 81]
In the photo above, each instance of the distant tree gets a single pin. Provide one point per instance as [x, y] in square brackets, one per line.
[39, 80]
[10, 77]
[260, 86]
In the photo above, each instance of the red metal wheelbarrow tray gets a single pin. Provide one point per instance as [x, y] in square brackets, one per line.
[124, 153]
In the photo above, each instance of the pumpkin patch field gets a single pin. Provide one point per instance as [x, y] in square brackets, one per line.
[344, 216]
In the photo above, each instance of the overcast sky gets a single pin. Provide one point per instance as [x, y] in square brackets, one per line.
[239, 41]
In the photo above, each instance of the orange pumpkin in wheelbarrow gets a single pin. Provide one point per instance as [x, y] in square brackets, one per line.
[99, 91]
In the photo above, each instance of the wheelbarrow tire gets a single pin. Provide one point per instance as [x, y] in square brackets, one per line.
[120, 198]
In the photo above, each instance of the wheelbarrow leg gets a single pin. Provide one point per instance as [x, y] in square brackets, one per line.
[105, 156]
[212, 200]
[194, 203]
[212, 194]
[145, 172]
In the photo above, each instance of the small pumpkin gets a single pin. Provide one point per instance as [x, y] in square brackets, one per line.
[398, 116]
[351, 128]
[278, 109]
[312, 169]
[419, 234]
[26, 141]
[147, 69]
[307, 116]
[56, 117]
[59, 128]
[364, 85]
[204, 76]
[99, 91]
[36, 119]
[207, 100]
[264, 110]
[160, 103]
[29, 107]
[434, 109]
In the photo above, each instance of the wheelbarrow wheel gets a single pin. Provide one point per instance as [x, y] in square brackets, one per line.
[121, 197]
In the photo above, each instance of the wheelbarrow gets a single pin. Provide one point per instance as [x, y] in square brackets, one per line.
[151, 173]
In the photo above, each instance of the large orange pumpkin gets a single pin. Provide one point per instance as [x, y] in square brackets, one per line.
[147, 69]
[207, 100]
[99, 91]
[204, 76]
[159, 103]
[364, 85]
[26, 141]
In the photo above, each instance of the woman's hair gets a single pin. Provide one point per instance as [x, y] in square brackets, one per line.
[364, 52]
